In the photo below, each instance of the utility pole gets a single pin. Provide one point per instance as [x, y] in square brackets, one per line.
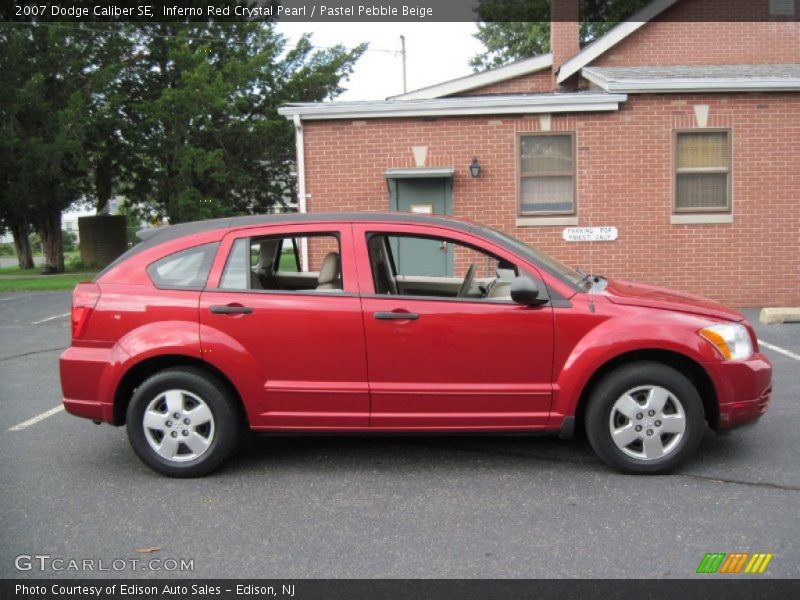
[403, 53]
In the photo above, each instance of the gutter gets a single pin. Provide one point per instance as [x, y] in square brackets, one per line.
[676, 85]
[301, 182]
[472, 105]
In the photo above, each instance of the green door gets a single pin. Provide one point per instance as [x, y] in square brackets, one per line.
[429, 195]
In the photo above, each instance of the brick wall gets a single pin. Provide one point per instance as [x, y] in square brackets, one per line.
[564, 34]
[464, 257]
[680, 36]
[533, 83]
[318, 249]
[624, 180]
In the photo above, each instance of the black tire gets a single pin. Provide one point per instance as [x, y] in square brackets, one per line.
[223, 429]
[601, 410]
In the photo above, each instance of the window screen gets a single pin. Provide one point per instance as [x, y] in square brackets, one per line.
[702, 171]
[547, 174]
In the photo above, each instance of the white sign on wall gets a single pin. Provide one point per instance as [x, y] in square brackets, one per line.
[590, 234]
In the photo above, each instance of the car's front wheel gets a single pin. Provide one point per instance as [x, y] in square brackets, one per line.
[645, 417]
[182, 422]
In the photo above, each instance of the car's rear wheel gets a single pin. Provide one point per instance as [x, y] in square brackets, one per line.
[645, 417]
[183, 422]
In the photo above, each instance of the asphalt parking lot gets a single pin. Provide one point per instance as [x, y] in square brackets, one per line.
[443, 507]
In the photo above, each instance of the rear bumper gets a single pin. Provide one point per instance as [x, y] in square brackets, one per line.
[88, 382]
[87, 409]
[744, 390]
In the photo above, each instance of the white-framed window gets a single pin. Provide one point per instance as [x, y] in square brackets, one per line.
[546, 174]
[702, 178]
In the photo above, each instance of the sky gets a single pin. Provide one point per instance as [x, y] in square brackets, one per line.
[435, 52]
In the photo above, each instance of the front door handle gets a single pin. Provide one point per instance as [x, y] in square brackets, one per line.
[395, 316]
[231, 309]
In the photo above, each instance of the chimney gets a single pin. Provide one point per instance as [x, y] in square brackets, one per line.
[565, 30]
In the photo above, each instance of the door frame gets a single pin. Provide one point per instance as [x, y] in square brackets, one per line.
[393, 176]
[446, 173]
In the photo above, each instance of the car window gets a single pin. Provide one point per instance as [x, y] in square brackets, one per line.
[536, 256]
[187, 269]
[430, 266]
[302, 262]
[234, 277]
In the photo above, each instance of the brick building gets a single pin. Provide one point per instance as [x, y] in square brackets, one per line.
[684, 135]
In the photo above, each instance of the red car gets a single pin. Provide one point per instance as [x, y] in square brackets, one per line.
[372, 322]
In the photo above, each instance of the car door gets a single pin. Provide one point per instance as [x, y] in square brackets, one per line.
[302, 348]
[436, 361]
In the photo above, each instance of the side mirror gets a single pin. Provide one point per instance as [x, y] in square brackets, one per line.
[525, 291]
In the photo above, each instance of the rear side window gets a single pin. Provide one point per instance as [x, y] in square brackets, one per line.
[308, 262]
[187, 269]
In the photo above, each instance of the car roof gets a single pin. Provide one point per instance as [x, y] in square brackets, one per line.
[151, 238]
[155, 237]
[159, 235]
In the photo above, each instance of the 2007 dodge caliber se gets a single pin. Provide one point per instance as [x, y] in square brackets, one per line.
[371, 322]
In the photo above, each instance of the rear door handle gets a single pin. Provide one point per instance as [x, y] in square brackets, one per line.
[231, 309]
[395, 316]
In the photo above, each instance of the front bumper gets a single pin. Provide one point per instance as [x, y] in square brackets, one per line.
[744, 390]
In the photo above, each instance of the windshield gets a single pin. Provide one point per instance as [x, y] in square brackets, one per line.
[548, 262]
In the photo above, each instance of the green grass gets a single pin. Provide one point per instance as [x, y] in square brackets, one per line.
[63, 281]
[288, 262]
[37, 270]
[18, 271]
[14, 279]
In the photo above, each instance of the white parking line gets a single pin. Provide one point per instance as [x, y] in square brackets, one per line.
[779, 349]
[37, 418]
[50, 319]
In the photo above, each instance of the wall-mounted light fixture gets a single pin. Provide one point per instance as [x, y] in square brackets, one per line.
[475, 167]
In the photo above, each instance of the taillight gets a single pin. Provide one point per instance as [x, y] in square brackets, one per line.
[84, 299]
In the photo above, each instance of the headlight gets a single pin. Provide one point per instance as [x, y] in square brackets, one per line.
[731, 339]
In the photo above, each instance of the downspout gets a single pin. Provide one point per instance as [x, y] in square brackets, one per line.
[301, 184]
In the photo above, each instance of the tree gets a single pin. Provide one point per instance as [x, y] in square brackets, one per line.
[206, 139]
[44, 97]
[181, 118]
[515, 29]
[22, 247]
[11, 217]
[112, 56]
[11, 221]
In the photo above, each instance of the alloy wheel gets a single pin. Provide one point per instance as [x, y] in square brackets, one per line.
[647, 422]
[178, 425]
